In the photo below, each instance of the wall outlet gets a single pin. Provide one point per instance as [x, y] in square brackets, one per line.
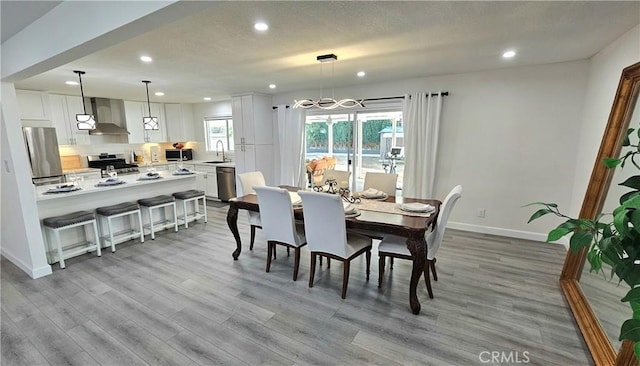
[481, 212]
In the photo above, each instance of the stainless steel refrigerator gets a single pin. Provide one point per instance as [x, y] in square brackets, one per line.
[42, 147]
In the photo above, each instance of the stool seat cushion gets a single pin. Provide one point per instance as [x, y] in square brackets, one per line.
[69, 219]
[117, 209]
[154, 201]
[188, 194]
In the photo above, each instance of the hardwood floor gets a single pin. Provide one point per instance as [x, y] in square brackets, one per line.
[182, 300]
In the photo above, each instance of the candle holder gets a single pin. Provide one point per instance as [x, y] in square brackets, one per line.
[346, 195]
[317, 188]
[333, 184]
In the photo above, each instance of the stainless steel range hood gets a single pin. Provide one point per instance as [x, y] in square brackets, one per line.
[109, 115]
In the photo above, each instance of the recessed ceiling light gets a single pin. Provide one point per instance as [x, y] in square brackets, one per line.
[145, 59]
[361, 74]
[206, 98]
[71, 82]
[509, 54]
[260, 26]
[159, 94]
[272, 86]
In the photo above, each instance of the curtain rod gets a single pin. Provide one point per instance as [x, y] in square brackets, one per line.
[276, 107]
[444, 94]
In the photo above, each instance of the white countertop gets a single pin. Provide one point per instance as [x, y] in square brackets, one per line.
[88, 186]
[231, 164]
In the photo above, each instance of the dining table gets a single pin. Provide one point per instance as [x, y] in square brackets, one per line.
[376, 222]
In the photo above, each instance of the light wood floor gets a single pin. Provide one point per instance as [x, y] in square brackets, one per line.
[182, 300]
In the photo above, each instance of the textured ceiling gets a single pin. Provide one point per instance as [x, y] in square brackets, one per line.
[217, 53]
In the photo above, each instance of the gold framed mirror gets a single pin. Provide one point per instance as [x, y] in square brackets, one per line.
[595, 337]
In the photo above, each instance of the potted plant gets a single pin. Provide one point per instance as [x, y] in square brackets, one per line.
[613, 240]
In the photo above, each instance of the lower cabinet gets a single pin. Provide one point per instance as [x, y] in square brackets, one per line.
[208, 180]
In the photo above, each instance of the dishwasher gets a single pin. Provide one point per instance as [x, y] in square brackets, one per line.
[226, 182]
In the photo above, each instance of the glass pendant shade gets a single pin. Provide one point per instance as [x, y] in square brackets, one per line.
[149, 123]
[85, 121]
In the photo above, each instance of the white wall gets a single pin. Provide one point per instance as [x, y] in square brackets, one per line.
[504, 138]
[604, 74]
[21, 238]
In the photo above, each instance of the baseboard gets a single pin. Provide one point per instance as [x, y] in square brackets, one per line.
[32, 272]
[517, 234]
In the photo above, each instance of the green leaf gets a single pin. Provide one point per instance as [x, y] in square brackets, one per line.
[632, 182]
[611, 162]
[558, 233]
[539, 213]
[636, 350]
[595, 261]
[635, 306]
[632, 295]
[554, 205]
[627, 196]
[620, 221]
[580, 239]
[630, 330]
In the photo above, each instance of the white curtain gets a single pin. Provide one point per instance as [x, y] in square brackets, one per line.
[291, 145]
[421, 116]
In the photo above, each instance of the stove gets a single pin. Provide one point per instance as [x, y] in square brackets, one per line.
[118, 161]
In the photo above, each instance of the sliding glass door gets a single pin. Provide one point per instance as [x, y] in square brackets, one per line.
[360, 141]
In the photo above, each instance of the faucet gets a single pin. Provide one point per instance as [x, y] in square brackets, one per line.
[221, 143]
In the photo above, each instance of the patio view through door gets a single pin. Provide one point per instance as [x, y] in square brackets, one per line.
[366, 138]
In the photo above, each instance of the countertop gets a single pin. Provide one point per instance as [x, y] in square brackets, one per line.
[231, 164]
[88, 186]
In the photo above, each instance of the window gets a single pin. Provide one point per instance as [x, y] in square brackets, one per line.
[218, 129]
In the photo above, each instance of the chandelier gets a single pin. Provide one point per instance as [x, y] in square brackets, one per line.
[326, 102]
[149, 123]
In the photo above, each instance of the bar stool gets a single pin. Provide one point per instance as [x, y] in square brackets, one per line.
[160, 202]
[192, 195]
[111, 212]
[54, 225]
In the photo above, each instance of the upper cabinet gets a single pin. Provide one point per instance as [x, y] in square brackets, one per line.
[33, 105]
[252, 120]
[63, 115]
[179, 121]
[134, 111]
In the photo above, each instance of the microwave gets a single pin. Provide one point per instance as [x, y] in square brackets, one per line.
[174, 154]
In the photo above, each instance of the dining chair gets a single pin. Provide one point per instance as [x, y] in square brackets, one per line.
[326, 231]
[279, 225]
[384, 182]
[247, 182]
[395, 247]
[339, 176]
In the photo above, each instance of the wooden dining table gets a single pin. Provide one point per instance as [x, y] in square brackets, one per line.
[411, 227]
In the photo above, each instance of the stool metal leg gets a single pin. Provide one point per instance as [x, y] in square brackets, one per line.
[175, 215]
[97, 239]
[184, 207]
[153, 233]
[113, 246]
[139, 212]
[204, 203]
[56, 238]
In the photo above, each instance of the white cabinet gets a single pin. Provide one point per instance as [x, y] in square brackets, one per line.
[179, 120]
[134, 112]
[253, 134]
[63, 115]
[208, 180]
[33, 105]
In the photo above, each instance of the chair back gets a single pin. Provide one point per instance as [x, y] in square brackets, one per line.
[324, 223]
[381, 181]
[339, 175]
[249, 180]
[435, 238]
[276, 214]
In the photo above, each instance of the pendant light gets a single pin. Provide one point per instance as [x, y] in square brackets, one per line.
[326, 102]
[84, 121]
[149, 123]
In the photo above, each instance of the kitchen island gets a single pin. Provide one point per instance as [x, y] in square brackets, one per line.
[91, 197]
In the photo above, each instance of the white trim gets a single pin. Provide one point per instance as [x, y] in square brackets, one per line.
[527, 235]
[32, 272]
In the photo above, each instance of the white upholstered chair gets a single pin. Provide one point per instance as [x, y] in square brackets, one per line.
[326, 232]
[381, 181]
[247, 182]
[396, 247]
[279, 225]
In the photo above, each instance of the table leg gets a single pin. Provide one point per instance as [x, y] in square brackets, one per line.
[417, 247]
[232, 221]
